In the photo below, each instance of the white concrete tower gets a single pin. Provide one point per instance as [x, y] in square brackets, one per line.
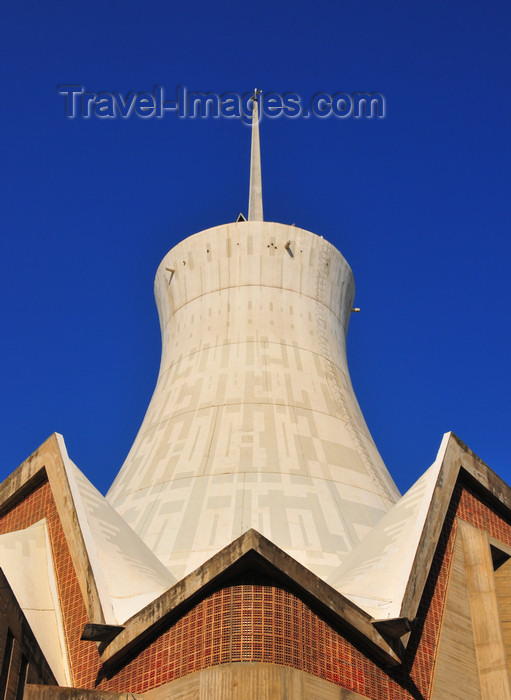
[253, 422]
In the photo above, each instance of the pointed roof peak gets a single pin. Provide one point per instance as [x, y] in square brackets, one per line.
[255, 198]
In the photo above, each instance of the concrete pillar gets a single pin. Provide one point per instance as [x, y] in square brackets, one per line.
[486, 621]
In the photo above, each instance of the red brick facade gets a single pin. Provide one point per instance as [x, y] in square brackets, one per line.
[259, 623]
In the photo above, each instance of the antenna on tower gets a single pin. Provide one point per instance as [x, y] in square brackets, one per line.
[255, 198]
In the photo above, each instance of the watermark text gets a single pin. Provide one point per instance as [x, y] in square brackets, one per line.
[184, 103]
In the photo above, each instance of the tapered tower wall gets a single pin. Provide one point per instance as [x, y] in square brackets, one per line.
[253, 421]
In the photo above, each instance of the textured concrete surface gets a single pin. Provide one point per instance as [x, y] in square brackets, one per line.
[127, 573]
[21, 658]
[456, 675]
[253, 422]
[376, 573]
[386, 573]
[494, 676]
[25, 559]
[240, 681]
[251, 681]
[255, 196]
[40, 692]
[117, 572]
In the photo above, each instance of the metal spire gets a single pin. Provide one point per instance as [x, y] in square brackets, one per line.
[255, 198]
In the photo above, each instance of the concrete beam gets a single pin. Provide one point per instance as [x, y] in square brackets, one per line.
[486, 623]
[46, 463]
[459, 462]
[250, 552]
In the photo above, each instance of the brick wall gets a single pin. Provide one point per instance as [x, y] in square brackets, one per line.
[259, 623]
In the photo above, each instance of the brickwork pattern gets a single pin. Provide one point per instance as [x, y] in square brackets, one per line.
[37, 505]
[260, 623]
[473, 511]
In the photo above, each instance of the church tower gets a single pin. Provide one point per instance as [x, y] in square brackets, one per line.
[253, 545]
[253, 422]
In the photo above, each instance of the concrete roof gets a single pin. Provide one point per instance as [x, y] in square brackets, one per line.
[375, 574]
[127, 573]
[25, 559]
[386, 573]
[118, 574]
[383, 579]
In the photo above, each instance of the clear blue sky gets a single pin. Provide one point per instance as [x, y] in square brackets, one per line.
[417, 202]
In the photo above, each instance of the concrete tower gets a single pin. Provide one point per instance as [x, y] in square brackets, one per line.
[254, 444]
[253, 422]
